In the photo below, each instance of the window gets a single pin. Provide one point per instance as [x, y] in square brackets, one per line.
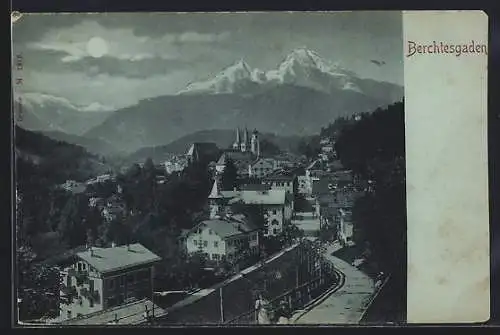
[84, 266]
[122, 281]
[195, 242]
[216, 244]
[79, 266]
[69, 314]
[274, 212]
[111, 284]
[275, 231]
[215, 257]
[229, 243]
[91, 285]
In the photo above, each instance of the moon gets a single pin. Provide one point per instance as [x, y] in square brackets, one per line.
[97, 47]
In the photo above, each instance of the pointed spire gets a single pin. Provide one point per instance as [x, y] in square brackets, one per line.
[215, 193]
[245, 135]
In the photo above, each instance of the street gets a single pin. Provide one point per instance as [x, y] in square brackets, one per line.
[346, 305]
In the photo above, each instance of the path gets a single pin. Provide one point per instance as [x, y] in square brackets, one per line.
[306, 222]
[347, 304]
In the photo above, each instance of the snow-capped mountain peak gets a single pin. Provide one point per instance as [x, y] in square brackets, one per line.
[301, 67]
[33, 99]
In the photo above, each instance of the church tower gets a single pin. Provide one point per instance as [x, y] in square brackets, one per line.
[245, 143]
[236, 144]
[255, 145]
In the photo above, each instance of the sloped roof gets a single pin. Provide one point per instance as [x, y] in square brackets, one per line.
[228, 227]
[270, 197]
[215, 192]
[116, 258]
[280, 175]
[202, 148]
[255, 187]
[238, 157]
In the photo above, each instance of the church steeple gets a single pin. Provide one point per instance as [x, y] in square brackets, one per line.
[245, 143]
[236, 144]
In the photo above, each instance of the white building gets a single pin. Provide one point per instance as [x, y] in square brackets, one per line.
[101, 278]
[261, 167]
[276, 205]
[221, 238]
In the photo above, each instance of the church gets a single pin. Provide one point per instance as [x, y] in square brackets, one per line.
[244, 152]
[247, 144]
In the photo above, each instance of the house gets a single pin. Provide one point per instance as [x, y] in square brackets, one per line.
[276, 206]
[255, 187]
[176, 164]
[101, 278]
[262, 167]
[240, 159]
[222, 238]
[282, 180]
[74, 187]
[101, 179]
[202, 151]
[302, 185]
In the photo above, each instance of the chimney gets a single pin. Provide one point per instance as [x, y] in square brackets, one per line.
[113, 244]
[91, 252]
[128, 246]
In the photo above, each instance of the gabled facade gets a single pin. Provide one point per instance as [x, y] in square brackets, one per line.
[261, 167]
[222, 238]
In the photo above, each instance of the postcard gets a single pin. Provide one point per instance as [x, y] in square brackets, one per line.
[250, 168]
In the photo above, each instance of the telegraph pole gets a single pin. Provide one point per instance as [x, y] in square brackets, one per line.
[221, 306]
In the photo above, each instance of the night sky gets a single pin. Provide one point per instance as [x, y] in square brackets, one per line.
[136, 56]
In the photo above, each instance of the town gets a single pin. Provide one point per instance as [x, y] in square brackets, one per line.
[217, 235]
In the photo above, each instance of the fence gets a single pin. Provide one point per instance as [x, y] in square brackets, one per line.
[291, 300]
[299, 269]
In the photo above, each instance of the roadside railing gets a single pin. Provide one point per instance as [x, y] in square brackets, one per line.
[291, 300]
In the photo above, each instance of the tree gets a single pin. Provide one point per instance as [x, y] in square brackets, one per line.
[38, 287]
[268, 147]
[229, 176]
[373, 147]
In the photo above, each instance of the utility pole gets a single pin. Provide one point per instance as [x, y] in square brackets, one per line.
[221, 306]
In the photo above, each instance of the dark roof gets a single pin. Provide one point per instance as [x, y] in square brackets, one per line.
[237, 157]
[231, 226]
[203, 149]
[321, 186]
[116, 258]
[280, 175]
[255, 187]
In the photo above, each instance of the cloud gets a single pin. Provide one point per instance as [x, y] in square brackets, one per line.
[122, 43]
[104, 89]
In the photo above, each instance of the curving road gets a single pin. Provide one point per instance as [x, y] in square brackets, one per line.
[345, 305]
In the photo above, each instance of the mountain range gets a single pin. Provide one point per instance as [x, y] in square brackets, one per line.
[304, 93]
[43, 112]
